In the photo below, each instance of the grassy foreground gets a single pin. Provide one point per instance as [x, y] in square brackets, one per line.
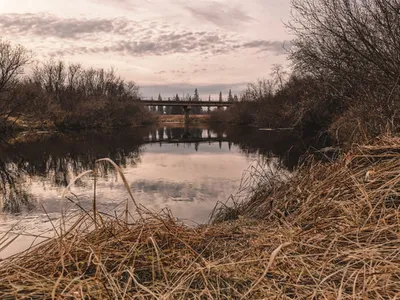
[331, 231]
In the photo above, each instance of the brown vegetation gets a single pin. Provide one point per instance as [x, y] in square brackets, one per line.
[65, 96]
[180, 119]
[345, 78]
[329, 231]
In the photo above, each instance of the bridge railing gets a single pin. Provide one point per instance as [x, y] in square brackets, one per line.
[182, 100]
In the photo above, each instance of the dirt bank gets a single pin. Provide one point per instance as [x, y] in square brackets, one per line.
[180, 119]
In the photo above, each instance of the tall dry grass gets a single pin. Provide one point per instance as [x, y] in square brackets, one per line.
[330, 231]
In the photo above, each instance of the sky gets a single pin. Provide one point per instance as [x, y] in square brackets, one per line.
[165, 46]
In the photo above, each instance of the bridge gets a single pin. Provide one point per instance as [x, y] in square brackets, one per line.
[188, 140]
[186, 105]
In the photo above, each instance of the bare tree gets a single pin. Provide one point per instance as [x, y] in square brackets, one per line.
[262, 90]
[74, 71]
[353, 48]
[278, 75]
[68, 95]
[13, 59]
[357, 40]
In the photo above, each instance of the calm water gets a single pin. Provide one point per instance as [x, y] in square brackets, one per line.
[186, 170]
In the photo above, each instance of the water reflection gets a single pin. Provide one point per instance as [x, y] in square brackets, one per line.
[14, 196]
[163, 163]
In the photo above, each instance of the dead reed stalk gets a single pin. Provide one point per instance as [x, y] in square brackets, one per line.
[331, 231]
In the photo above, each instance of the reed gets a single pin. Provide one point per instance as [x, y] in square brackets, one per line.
[330, 231]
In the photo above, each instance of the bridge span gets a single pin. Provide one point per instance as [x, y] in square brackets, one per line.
[186, 105]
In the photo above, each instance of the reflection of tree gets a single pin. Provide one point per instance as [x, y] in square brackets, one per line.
[169, 133]
[154, 135]
[186, 134]
[248, 140]
[14, 198]
[267, 143]
[60, 157]
[161, 133]
[177, 133]
[196, 132]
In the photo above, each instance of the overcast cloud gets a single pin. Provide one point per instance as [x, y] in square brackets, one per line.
[128, 37]
[157, 44]
[220, 14]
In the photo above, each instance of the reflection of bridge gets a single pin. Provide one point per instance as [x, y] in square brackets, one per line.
[196, 140]
[186, 105]
[187, 141]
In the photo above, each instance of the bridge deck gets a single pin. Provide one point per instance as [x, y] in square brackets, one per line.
[185, 103]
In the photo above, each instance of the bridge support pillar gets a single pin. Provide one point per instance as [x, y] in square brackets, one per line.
[186, 110]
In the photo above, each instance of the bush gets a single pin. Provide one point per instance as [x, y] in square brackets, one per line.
[69, 96]
[352, 47]
[345, 78]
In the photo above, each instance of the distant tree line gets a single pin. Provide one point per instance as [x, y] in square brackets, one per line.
[68, 95]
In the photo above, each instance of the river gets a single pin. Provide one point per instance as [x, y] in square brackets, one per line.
[186, 170]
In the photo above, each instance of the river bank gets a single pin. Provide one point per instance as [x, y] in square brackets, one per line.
[330, 230]
[29, 124]
[180, 119]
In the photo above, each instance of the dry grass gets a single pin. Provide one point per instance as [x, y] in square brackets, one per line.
[180, 119]
[26, 122]
[332, 231]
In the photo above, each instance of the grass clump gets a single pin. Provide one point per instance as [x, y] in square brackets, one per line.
[153, 258]
[329, 231]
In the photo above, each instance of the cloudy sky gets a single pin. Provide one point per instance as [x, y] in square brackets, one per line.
[166, 46]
